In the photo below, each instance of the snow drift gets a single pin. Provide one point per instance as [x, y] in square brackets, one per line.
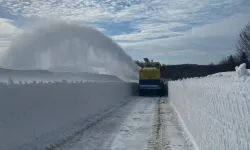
[65, 47]
[32, 115]
[46, 76]
[215, 109]
[241, 70]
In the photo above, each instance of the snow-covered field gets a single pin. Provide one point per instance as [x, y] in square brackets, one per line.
[38, 113]
[215, 109]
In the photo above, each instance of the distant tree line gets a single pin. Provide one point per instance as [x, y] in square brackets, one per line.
[175, 72]
[242, 55]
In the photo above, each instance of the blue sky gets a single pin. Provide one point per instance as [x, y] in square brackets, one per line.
[171, 31]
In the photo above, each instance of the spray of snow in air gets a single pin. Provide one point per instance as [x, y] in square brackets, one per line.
[64, 47]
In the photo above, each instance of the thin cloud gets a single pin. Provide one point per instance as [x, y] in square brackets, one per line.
[93, 10]
[150, 31]
[153, 24]
[205, 44]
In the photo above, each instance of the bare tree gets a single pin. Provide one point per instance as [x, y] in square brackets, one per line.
[228, 63]
[241, 57]
[243, 44]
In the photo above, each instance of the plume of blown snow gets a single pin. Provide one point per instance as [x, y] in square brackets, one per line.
[66, 47]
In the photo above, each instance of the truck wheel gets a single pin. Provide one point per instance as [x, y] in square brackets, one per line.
[166, 89]
[141, 92]
[161, 92]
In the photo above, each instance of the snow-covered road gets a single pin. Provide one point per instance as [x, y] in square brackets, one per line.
[142, 124]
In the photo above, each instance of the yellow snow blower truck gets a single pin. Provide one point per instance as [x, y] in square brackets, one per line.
[150, 81]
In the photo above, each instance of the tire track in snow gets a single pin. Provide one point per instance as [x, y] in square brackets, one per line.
[142, 124]
[167, 132]
[158, 140]
[99, 131]
[175, 130]
[126, 129]
[133, 134]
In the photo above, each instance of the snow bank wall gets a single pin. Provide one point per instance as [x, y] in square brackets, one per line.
[215, 110]
[36, 113]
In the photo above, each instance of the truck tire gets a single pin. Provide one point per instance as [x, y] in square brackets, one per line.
[166, 89]
[141, 92]
[162, 90]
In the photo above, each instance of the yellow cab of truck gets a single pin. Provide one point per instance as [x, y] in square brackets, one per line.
[150, 71]
[150, 79]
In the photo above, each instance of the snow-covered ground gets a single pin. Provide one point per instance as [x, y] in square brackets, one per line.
[239, 72]
[83, 115]
[143, 124]
[30, 76]
[201, 113]
[38, 113]
[215, 109]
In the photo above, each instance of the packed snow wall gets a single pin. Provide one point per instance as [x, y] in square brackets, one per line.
[35, 114]
[215, 110]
